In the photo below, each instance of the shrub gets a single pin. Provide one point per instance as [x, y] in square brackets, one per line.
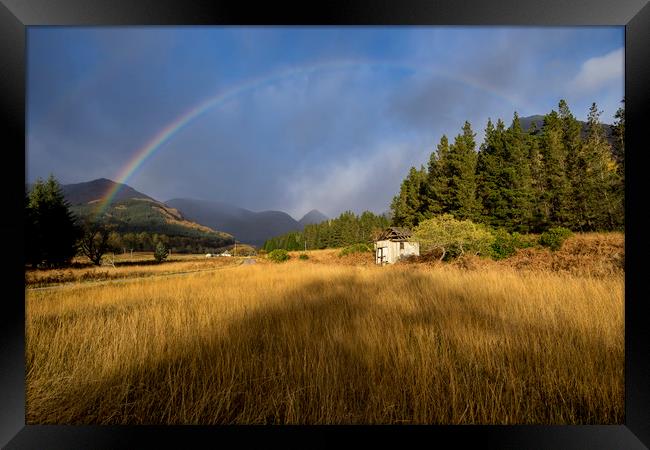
[278, 255]
[504, 244]
[524, 240]
[161, 252]
[453, 237]
[554, 237]
[303, 256]
[356, 248]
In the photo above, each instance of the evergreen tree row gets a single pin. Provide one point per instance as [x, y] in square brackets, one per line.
[524, 181]
[347, 229]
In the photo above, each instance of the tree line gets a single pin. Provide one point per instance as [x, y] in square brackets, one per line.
[346, 229]
[523, 181]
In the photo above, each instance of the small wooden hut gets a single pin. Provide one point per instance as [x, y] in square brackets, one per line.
[393, 244]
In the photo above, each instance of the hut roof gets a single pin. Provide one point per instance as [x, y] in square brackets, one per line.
[394, 234]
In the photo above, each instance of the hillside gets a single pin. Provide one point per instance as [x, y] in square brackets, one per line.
[247, 226]
[93, 191]
[133, 213]
[141, 215]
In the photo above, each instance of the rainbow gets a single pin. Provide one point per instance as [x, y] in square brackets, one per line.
[145, 152]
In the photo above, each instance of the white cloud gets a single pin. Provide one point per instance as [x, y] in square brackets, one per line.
[598, 71]
[359, 183]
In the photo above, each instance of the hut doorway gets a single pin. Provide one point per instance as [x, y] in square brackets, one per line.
[382, 254]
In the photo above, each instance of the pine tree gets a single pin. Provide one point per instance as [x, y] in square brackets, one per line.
[435, 188]
[53, 227]
[518, 180]
[572, 142]
[459, 168]
[408, 207]
[555, 199]
[489, 183]
[618, 149]
[600, 178]
[618, 132]
[538, 218]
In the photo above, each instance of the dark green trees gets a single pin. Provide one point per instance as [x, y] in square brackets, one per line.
[50, 230]
[459, 169]
[411, 204]
[556, 188]
[562, 175]
[448, 184]
[504, 179]
[601, 204]
[618, 133]
[436, 187]
[347, 229]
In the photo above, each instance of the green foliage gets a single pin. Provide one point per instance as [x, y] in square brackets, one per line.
[562, 175]
[554, 237]
[278, 255]
[141, 223]
[460, 170]
[524, 240]
[503, 245]
[51, 229]
[346, 229]
[506, 244]
[411, 205]
[453, 237]
[161, 252]
[303, 256]
[356, 248]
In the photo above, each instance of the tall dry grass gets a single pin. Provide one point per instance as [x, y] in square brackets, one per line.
[301, 343]
[123, 269]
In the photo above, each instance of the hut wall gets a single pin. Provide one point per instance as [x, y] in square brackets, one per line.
[393, 250]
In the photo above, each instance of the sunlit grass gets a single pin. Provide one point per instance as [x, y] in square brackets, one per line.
[318, 343]
[125, 266]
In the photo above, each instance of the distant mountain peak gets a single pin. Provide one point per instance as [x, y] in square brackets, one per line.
[247, 226]
[313, 216]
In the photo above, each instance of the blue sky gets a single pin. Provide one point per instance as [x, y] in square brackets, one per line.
[317, 117]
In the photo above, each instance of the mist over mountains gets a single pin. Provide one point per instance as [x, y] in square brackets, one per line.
[248, 226]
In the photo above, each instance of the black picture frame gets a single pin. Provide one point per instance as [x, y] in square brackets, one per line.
[16, 15]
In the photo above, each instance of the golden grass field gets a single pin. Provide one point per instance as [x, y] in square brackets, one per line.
[330, 341]
[140, 265]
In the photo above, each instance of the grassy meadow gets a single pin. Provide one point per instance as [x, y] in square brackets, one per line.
[126, 266]
[331, 341]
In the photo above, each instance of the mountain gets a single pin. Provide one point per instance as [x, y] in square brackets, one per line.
[313, 216]
[247, 226]
[527, 122]
[95, 190]
[132, 212]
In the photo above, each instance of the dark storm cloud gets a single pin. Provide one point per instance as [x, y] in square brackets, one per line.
[340, 134]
